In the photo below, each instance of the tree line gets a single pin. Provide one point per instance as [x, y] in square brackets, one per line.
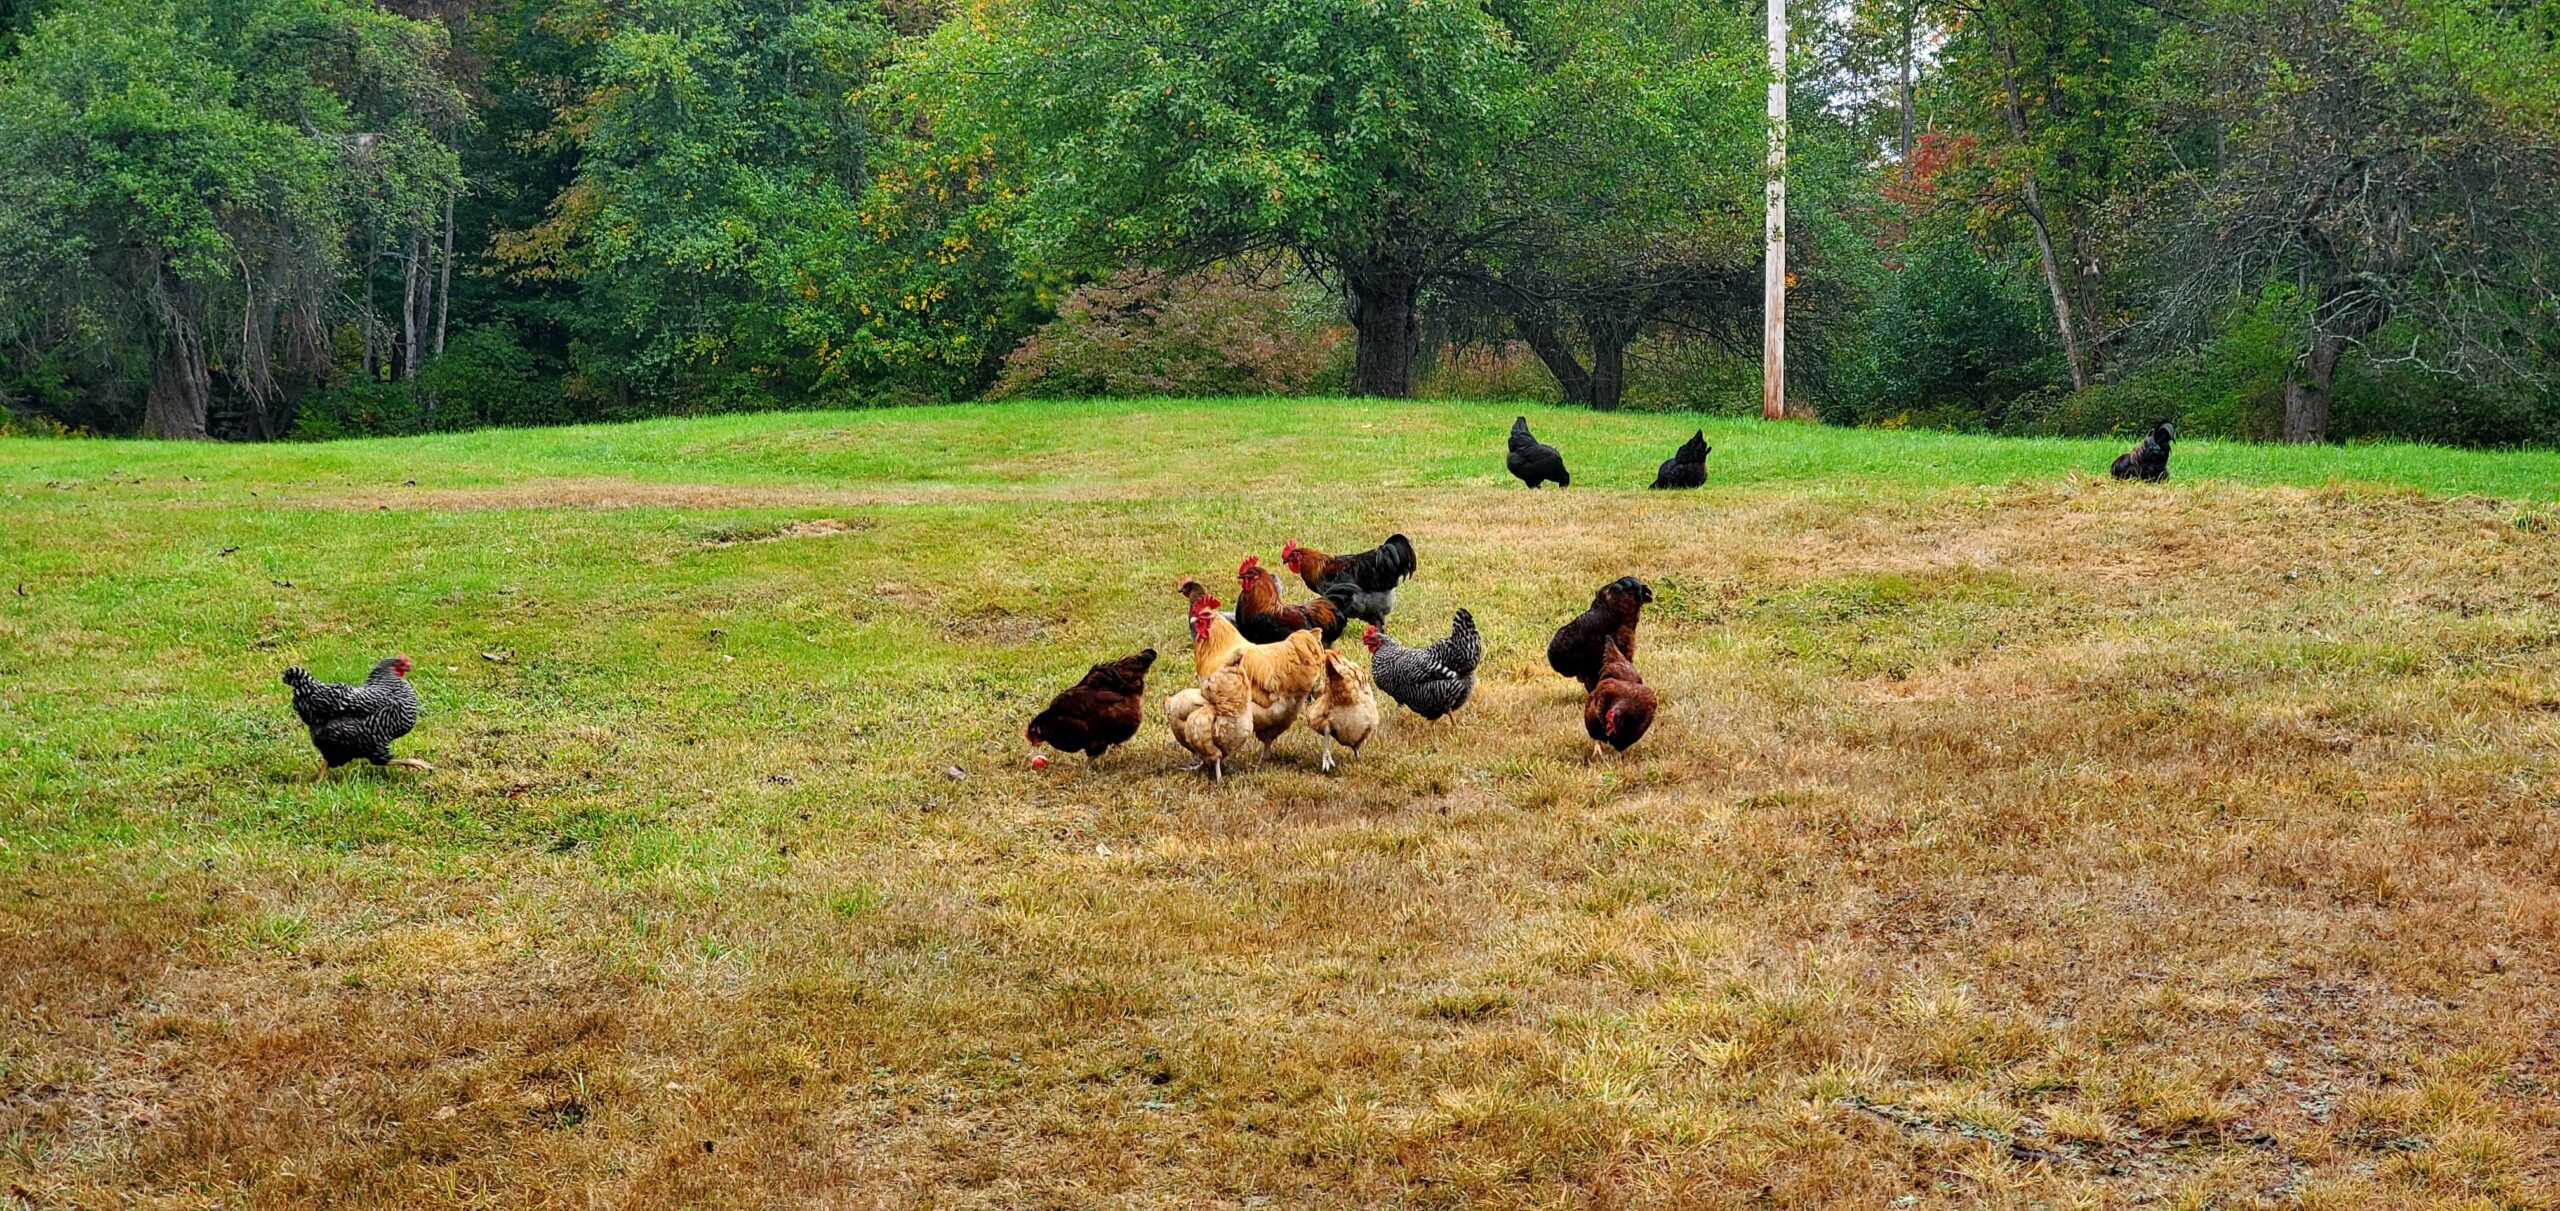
[2297, 219]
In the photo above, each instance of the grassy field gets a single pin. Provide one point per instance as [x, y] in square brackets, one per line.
[2011, 837]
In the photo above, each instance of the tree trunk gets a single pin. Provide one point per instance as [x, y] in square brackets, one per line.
[1540, 334]
[2016, 110]
[1386, 311]
[1910, 50]
[409, 306]
[181, 393]
[372, 353]
[1609, 337]
[2306, 392]
[444, 284]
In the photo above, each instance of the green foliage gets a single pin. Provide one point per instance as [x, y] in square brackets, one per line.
[1176, 127]
[1952, 342]
[485, 377]
[178, 181]
[722, 156]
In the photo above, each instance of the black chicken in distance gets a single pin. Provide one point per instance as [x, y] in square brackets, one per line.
[358, 722]
[1533, 461]
[1687, 466]
[2148, 462]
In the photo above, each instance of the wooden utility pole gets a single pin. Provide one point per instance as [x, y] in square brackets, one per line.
[1773, 306]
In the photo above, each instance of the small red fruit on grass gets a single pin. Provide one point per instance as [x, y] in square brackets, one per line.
[1039, 760]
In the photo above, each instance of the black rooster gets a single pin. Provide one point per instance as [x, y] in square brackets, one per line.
[2148, 462]
[1688, 467]
[1534, 461]
[351, 722]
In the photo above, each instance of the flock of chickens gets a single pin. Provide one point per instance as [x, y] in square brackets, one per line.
[1262, 667]
[1270, 665]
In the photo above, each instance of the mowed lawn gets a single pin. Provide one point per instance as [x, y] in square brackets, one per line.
[2010, 837]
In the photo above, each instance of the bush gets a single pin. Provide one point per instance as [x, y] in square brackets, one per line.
[1213, 333]
[1952, 341]
[485, 377]
[1496, 370]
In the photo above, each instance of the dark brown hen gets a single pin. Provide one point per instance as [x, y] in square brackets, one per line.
[1575, 651]
[1098, 713]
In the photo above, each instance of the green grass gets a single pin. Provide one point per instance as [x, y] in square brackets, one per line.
[1990, 796]
[1092, 445]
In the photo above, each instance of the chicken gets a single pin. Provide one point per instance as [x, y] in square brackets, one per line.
[1534, 461]
[1098, 713]
[1378, 569]
[2148, 462]
[1213, 720]
[1619, 708]
[1575, 651]
[1343, 709]
[1687, 467]
[1433, 681]
[348, 722]
[1263, 619]
[1280, 675]
[1214, 644]
[1372, 576]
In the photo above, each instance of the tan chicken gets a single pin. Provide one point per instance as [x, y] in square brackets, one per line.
[1214, 719]
[1214, 638]
[1344, 708]
[1279, 675]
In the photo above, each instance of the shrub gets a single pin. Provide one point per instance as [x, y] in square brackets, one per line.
[1493, 370]
[1951, 342]
[1211, 333]
[484, 377]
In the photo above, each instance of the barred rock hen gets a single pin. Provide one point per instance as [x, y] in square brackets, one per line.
[2148, 462]
[1098, 713]
[351, 722]
[1575, 651]
[1619, 709]
[1533, 461]
[1687, 466]
[1433, 681]
[1262, 618]
[1372, 575]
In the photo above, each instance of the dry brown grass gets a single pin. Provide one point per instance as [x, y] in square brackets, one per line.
[2062, 845]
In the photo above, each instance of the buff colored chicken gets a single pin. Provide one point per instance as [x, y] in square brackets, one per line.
[1344, 708]
[1214, 719]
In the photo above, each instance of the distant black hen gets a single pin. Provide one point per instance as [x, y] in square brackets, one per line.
[351, 722]
[1686, 468]
[2148, 462]
[1534, 461]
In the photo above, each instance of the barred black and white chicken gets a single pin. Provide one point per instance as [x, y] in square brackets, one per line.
[358, 722]
[1433, 681]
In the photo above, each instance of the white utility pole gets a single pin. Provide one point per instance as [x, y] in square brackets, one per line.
[1773, 291]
